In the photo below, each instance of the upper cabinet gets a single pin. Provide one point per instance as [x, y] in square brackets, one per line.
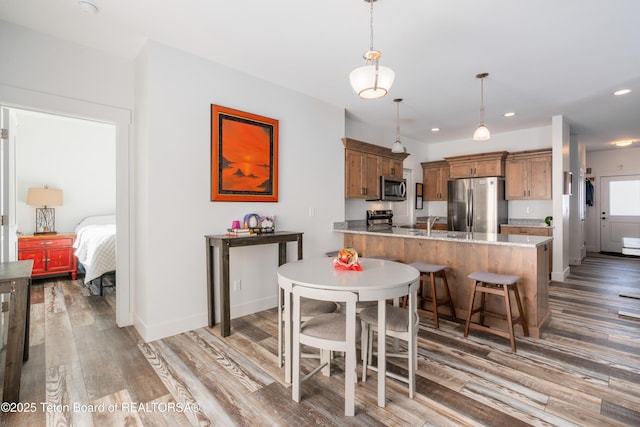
[477, 165]
[364, 164]
[435, 176]
[528, 175]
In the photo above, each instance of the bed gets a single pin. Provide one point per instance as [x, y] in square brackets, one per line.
[95, 247]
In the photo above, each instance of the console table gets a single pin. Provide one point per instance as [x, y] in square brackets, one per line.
[223, 243]
[15, 278]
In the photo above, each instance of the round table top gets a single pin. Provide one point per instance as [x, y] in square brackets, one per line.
[377, 275]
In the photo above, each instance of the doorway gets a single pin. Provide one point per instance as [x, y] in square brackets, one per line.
[12, 97]
[620, 210]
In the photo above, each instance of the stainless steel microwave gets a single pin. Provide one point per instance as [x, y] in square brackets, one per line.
[393, 189]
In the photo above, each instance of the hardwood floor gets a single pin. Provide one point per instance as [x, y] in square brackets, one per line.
[585, 370]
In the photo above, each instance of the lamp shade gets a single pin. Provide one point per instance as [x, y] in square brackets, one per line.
[363, 81]
[482, 133]
[44, 197]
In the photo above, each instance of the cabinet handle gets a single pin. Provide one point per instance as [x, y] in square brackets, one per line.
[46, 243]
[524, 193]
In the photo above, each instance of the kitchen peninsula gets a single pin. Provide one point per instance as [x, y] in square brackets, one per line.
[463, 253]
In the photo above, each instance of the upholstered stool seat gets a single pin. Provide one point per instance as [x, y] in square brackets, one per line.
[433, 271]
[496, 284]
[308, 308]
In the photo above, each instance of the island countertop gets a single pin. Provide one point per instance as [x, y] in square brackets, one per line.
[462, 253]
[451, 236]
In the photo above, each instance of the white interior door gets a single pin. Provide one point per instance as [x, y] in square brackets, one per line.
[620, 210]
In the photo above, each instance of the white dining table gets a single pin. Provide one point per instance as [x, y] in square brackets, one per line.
[379, 280]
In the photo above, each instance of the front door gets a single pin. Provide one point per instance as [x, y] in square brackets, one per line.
[620, 210]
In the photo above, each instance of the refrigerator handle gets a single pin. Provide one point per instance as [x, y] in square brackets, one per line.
[469, 209]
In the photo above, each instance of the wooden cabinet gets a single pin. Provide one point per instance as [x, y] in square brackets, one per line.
[51, 254]
[531, 231]
[477, 165]
[390, 167]
[364, 164]
[528, 175]
[361, 175]
[434, 177]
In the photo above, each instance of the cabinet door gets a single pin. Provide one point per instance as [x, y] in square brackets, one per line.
[372, 177]
[431, 178]
[390, 167]
[516, 180]
[60, 259]
[435, 183]
[540, 178]
[38, 256]
[488, 168]
[461, 169]
[355, 165]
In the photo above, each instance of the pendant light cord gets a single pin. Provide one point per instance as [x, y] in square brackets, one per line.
[397, 121]
[371, 25]
[482, 100]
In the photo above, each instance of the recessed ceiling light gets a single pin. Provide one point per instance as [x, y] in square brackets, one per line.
[88, 7]
[623, 143]
[509, 114]
[621, 92]
[435, 129]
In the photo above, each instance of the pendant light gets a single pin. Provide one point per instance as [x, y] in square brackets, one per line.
[371, 81]
[482, 132]
[397, 146]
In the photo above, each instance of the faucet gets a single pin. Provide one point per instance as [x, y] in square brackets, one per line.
[430, 221]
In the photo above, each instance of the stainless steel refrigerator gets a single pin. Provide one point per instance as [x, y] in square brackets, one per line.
[476, 205]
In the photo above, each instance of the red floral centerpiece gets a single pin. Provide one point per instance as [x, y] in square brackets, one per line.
[347, 260]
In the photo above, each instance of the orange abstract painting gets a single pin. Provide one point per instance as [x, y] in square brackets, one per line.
[244, 156]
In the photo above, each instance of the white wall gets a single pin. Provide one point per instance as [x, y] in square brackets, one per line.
[76, 156]
[51, 75]
[619, 161]
[561, 207]
[169, 165]
[174, 91]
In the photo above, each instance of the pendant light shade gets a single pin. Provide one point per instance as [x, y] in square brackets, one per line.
[371, 81]
[397, 146]
[482, 131]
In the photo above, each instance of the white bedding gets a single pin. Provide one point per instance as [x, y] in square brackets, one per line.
[95, 246]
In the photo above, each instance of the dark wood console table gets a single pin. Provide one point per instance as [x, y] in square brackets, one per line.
[223, 243]
[15, 278]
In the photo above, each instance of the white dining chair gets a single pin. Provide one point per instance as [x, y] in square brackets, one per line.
[402, 323]
[308, 309]
[329, 332]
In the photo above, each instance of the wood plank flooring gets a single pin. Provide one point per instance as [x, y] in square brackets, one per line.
[584, 371]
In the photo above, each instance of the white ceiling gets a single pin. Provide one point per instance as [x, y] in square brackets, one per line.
[544, 57]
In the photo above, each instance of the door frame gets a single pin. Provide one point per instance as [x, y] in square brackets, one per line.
[13, 97]
[601, 189]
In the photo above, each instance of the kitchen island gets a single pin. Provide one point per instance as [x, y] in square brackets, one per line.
[463, 253]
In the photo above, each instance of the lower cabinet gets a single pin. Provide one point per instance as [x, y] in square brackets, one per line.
[51, 254]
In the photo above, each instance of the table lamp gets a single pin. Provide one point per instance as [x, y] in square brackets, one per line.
[46, 215]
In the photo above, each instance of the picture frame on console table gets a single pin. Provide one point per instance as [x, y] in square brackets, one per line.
[244, 156]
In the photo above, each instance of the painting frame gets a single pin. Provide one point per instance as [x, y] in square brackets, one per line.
[244, 156]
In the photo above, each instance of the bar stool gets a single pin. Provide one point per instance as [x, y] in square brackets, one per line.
[432, 271]
[496, 284]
